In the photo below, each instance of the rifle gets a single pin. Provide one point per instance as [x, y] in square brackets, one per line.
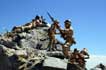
[50, 17]
[61, 31]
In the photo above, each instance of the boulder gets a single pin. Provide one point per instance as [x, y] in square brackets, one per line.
[55, 63]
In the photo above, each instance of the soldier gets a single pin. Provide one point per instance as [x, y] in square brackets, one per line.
[17, 29]
[78, 58]
[83, 55]
[33, 23]
[67, 34]
[73, 61]
[26, 27]
[38, 20]
[29, 26]
[74, 57]
[51, 34]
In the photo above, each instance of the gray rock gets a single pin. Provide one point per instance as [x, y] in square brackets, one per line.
[37, 38]
[5, 63]
[55, 63]
[27, 52]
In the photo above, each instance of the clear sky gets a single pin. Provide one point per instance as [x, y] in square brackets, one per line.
[88, 18]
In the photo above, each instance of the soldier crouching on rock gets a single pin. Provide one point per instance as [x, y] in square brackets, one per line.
[83, 55]
[73, 60]
[77, 60]
[67, 34]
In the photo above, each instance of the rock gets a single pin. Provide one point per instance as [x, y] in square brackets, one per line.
[52, 62]
[21, 53]
[7, 51]
[52, 68]
[37, 38]
[57, 54]
[5, 63]
[26, 50]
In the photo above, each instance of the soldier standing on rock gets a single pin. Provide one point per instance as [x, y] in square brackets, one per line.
[67, 34]
[51, 33]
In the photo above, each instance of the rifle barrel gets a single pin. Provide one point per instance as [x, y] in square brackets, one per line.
[50, 17]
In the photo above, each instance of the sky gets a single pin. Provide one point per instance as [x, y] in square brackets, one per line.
[88, 19]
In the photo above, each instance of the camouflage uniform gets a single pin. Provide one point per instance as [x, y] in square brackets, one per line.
[83, 55]
[51, 34]
[73, 61]
[78, 58]
[67, 34]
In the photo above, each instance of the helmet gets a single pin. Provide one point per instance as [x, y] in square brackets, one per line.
[75, 50]
[56, 21]
[37, 17]
[67, 21]
[85, 50]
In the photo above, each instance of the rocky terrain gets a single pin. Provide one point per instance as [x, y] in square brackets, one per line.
[27, 51]
[26, 48]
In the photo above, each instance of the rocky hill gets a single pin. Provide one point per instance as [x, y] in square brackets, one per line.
[26, 50]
